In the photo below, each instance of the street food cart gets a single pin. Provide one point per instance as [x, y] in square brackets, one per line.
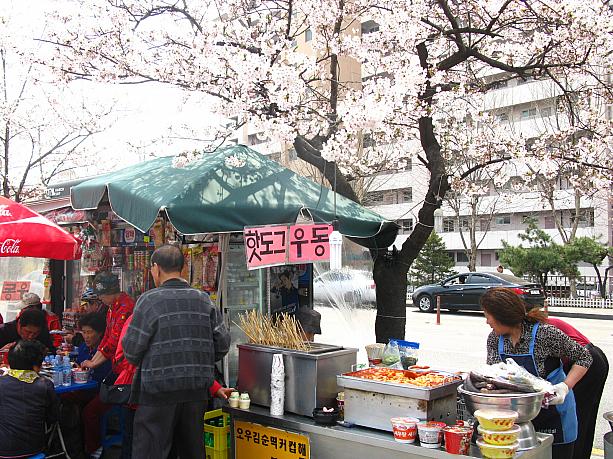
[205, 206]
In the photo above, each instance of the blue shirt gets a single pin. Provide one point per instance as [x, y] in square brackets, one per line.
[85, 353]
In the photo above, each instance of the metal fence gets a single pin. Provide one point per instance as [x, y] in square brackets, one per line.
[585, 287]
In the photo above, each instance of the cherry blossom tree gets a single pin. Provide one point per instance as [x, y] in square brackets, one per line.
[278, 65]
[44, 124]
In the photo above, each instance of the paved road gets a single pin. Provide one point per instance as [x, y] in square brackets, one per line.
[457, 344]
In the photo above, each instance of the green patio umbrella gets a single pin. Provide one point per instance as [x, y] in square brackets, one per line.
[225, 191]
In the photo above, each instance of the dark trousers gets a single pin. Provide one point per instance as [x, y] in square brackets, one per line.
[158, 428]
[563, 451]
[588, 392]
[91, 414]
[126, 445]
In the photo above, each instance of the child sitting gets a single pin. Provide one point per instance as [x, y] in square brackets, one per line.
[27, 402]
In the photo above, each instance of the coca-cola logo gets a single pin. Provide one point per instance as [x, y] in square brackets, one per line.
[10, 246]
[5, 211]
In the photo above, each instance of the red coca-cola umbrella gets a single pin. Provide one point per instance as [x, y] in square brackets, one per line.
[25, 233]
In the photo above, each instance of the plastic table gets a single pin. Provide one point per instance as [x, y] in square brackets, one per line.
[75, 387]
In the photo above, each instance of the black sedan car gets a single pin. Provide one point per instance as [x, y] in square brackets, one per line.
[463, 291]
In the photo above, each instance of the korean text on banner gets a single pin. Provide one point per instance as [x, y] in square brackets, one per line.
[265, 246]
[14, 290]
[254, 441]
[309, 243]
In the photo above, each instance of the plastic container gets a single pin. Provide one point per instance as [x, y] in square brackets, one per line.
[497, 452]
[80, 376]
[430, 433]
[233, 400]
[244, 401]
[500, 438]
[457, 439]
[494, 419]
[405, 429]
[216, 431]
[58, 373]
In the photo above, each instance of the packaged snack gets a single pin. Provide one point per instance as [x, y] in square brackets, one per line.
[391, 355]
[408, 353]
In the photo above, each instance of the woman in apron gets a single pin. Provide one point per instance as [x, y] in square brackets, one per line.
[538, 347]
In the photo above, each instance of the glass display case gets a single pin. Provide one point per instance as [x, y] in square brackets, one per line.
[244, 292]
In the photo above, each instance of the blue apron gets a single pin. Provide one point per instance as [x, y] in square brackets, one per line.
[558, 420]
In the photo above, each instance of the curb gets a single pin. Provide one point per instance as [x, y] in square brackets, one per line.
[581, 315]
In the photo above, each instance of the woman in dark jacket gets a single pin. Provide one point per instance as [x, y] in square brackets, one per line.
[28, 402]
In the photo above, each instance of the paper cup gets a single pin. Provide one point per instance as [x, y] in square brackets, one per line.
[405, 429]
[430, 433]
[457, 439]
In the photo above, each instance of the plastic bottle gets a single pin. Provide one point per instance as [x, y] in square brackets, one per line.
[67, 372]
[58, 374]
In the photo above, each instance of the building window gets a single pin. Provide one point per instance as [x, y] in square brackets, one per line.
[461, 257]
[406, 225]
[486, 259]
[499, 84]
[586, 217]
[369, 27]
[464, 223]
[550, 223]
[545, 112]
[504, 116]
[503, 219]
[451, 255]
[256, 139]
[389, 197]
[405, 195]
[484, 224]
[448, 225]
[308, 35]
[374, 198]
[528, 113]
[292, 154]
[276, 157]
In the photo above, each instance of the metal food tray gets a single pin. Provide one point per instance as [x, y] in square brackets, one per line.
[349, 381]
[313, 348]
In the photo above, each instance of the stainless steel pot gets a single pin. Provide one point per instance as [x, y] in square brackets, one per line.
[527, 406]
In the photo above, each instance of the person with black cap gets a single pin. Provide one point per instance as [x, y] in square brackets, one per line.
[106, 286]
[310, 320]
[121, 306]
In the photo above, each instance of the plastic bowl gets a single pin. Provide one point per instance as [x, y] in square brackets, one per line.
[326, 418]
[495, 419]
[80, 376]
[497, 452]
[405, 429]
[500, 438]
[430, 433]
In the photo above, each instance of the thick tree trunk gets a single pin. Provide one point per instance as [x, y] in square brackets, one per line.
[390, 275]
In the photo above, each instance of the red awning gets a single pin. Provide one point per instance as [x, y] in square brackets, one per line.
[25, 233]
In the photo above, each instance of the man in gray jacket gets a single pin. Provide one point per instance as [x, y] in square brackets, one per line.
[176, 336]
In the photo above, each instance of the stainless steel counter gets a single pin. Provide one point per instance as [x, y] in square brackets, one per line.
[339, 442]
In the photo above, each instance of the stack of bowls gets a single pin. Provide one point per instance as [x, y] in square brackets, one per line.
[498, 433]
